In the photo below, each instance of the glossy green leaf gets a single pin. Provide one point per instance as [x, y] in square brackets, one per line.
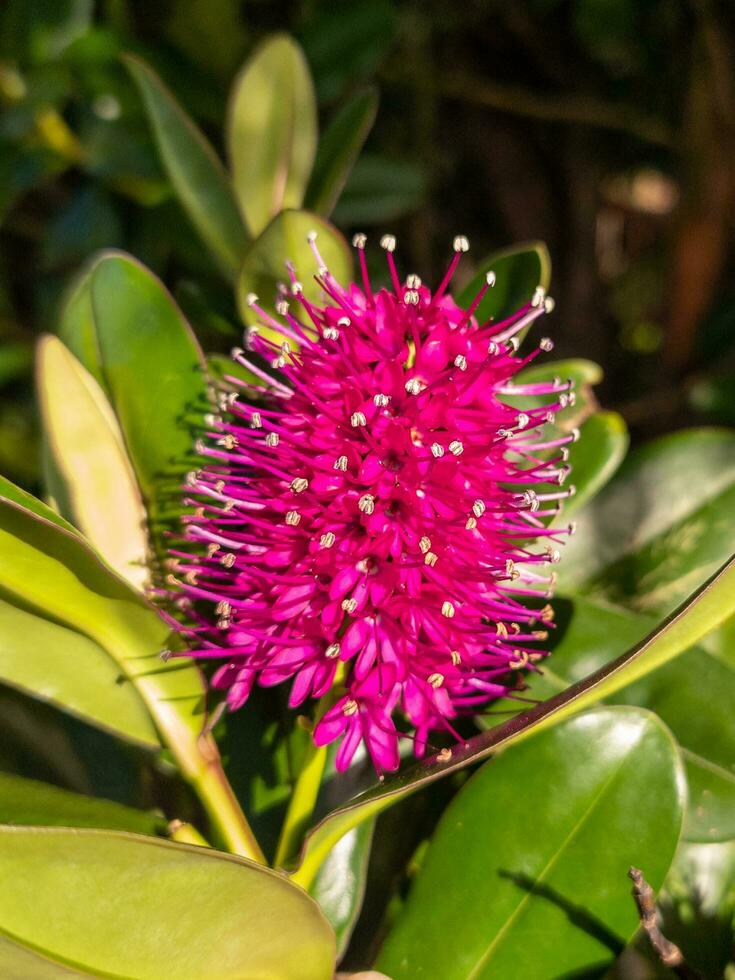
[691, 694]
[78, 896]
[88, 471]
[272, 131]
[338, 150]
[285, 239]
[664, 523]
[595, 458]
[123, 325]
[194, 169]
[26, 802]
[12, 492]
[380, 189]
[339, 887]
[67, 669]
[56, 574]
[526, 875]
[518, 271]
[708, 608]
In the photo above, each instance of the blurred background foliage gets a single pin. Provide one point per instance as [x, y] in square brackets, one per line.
[603, 127]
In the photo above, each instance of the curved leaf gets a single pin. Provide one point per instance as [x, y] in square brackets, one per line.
[63, 667]
[285, 239]
[595, 458]
[126, 329]
[338, 150]
[339, 887]
[660, 527]
[518, 271]
[27, 802]
[272, 131]
[78, 896]
[705, 611]
[532, 875]
[194, 169]
[88, 472]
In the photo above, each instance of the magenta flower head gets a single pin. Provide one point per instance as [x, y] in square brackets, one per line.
[374, 515]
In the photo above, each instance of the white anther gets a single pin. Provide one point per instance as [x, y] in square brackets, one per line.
[327, 540]
[538, 296]
[522, 420]
[546, 344]
[292, 518]
[228, 560]
[447, 609]
[212, 420]
[460, 361]
[359, 240]
[311, 237]
[411, 297]
[490, 278]
[456, 448]
[460, 244]
[413, 386]
[349, 605]
[413, 281]
[478, 508]
[436, 450]
[357, 419]
[553, 555]
[572, 528]
[282, 307]
[344, 321]
[271, 440]
[191, 478]
[575, 435]
[388, 242]
[349, 707]
[297, 288]
[299, 484]
[251, 299]
[341, 463]
[471, 524]
[256, 420]
[425, 544]
[563, 400]
[513, 344]
[366, 503]
[430, 558]
[549, 304]
[381, 400]
[455, 657]
[435, 680]
[330, 333]
[332, 651]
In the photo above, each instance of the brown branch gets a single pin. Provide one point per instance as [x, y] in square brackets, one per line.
[563, 108]
[668, 952]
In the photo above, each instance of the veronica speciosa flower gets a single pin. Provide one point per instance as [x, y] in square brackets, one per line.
[373, 518]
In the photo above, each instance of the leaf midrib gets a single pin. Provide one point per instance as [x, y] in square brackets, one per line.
[486, 956]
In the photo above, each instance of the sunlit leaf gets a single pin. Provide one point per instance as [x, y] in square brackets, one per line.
[526, 875]
[272, 131]
[518, 271]
[114, 904]
[195, 170]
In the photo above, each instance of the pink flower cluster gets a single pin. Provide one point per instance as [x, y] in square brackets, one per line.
[374, 515]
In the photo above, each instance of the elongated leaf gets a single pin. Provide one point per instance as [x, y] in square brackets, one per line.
[705, 611]
[692, 695]
[518, 271]
[63, 667]
[55, 573]
[272, 131]
[128, 332]
[194, 169]
[285, 239]
[338, 150]
[526, 874]
[27, 802]
[339, 887]
[660, 527]
[88, 471]
[12, 492]
[78, 896]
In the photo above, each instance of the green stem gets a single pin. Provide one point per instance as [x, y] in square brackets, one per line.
[213, 789]
[186, 833]
[302, 803]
